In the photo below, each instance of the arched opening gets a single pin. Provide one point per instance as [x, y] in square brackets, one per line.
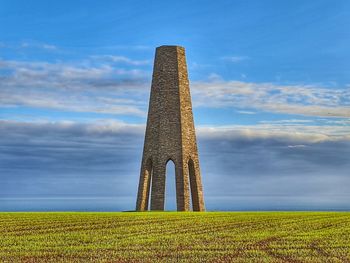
[170, 189]
[193, 185]
[148, 180]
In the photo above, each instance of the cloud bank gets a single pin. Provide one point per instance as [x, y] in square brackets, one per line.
[294, 99]
[95, 166]
[117, 85]
[83, 87]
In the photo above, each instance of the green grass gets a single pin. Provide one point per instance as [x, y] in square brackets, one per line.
[175, 237]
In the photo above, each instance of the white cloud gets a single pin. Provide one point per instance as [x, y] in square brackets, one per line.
[246, 112]
[128, 47]
[47, 46]
[293, 133]
[235, 59]
[80, 87]
[297, 146]
[122, 59]
[38, 45]
[299, 136]
[291, 99]
[289, 121]
[95, 85]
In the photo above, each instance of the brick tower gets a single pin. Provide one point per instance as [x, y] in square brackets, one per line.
[170, 135]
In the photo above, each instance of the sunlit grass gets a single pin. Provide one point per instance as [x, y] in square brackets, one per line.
[175, 237]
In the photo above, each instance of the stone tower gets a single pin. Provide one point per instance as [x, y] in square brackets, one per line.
[170, 135]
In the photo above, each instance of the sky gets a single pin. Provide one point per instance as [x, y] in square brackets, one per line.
[270, 89]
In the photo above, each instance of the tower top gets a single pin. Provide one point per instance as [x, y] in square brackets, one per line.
[170, 47]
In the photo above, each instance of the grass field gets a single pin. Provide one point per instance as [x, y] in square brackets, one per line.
[175, 237]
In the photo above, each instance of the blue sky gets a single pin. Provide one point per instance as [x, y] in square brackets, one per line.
[270, 87]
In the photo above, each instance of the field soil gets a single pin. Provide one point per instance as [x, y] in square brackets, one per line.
[175, 237]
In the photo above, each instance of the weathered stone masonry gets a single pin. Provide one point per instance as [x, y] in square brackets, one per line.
[170, 135]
